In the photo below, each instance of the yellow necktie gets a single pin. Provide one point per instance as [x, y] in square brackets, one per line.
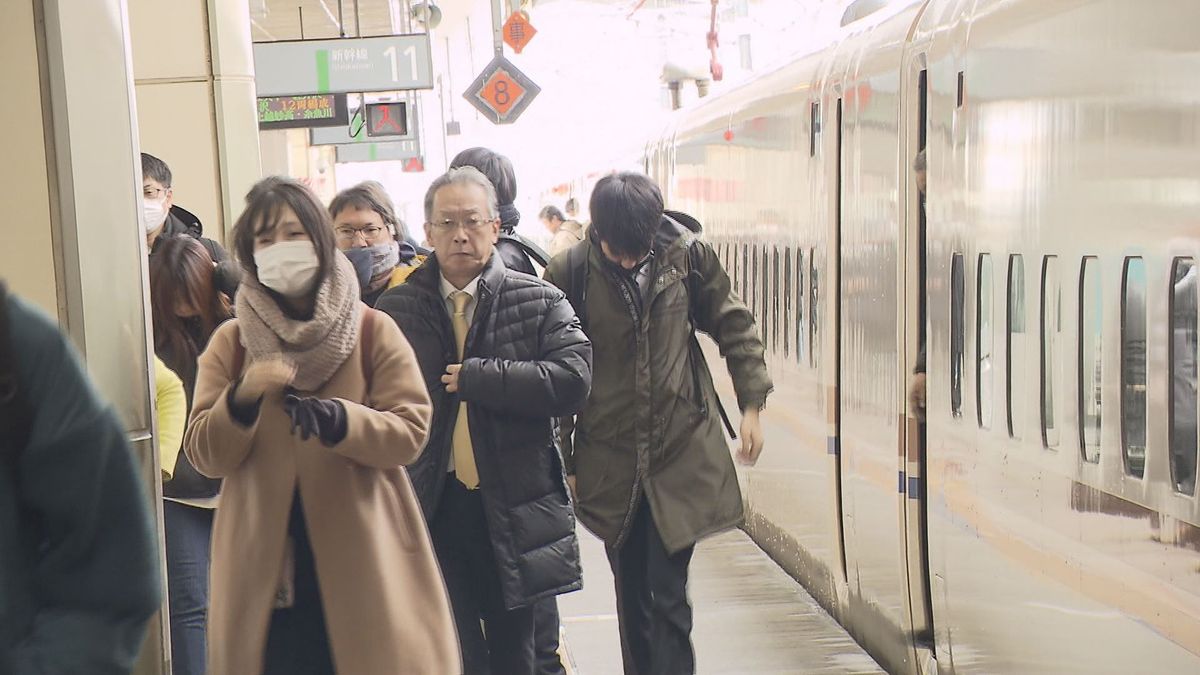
[464, 453]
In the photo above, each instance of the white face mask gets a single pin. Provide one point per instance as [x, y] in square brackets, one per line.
[154, 213]
[288, 268]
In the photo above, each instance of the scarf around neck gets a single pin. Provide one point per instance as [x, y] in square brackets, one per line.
[316, 346]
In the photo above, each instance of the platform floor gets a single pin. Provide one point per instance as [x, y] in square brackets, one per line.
[750, 616]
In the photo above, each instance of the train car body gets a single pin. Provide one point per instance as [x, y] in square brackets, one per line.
[1047, 520]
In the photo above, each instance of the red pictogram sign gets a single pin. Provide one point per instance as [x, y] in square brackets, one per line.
[518, 31]
[387, 119]
[413, 165]
[501, 92]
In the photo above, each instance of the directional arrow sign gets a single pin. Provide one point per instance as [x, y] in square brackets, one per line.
[501, 92]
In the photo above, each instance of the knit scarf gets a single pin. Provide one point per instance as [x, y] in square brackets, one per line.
[318, 346]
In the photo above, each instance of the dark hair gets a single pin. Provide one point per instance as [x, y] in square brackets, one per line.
[626, 211]
[263, 204]
[551, 213]
[153, 167]
[368, 196]
[495, 166]
[572, 206]
[181, 271]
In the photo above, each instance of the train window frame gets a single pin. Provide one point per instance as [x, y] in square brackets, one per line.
[745, 289]
[752, 300]
[958, 328]
[1176, 280]
[776, 286]
[985, 306]
[1050, 356]
[1015, 324]
[814, 127]
[801, 298]
[1090, 314]
[814, 303]
[1134, 466]
[788, 312]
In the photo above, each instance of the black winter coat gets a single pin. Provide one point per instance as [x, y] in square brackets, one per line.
[526, 362]
[180, 221]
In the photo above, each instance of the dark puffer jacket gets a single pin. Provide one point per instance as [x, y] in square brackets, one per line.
[527, 361]
[180, 221]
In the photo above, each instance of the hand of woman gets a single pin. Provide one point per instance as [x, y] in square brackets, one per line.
[262, 378]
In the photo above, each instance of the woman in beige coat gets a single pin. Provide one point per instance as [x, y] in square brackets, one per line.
[308, 404]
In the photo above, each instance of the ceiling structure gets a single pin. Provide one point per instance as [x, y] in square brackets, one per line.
[272, 20]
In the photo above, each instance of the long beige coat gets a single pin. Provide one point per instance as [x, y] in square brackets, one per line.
[385, 603]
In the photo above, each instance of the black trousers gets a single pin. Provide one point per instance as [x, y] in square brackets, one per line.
[653, 611]
[297, 640]
[503, 644]
[545, 637]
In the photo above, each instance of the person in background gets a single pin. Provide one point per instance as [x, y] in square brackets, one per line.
[186, 309]
[163, 218]
[517, 252]
[373, 238]
[566, 233]
[308, 404]
[572, 209]
[79, 574]
[170, 409]
[505, 351]
[649, 464]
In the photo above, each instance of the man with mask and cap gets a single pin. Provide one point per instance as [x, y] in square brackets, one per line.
[163, 218]
[373, 238]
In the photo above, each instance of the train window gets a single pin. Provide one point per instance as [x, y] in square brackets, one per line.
[1091, 317]
[752, 300]
[747, 297]
[814, 296]
[814, 128]
[958, 294]
[1051, 349]
[787, 301]
[1183, 375]
[983, 342]
[801, 327]
[767, 293]
[1014, 365]
[1133, 366]
[776, 285]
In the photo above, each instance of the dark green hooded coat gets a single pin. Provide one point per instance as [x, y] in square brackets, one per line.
[651, 424]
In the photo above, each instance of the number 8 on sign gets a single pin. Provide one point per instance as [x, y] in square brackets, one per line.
[501, 92]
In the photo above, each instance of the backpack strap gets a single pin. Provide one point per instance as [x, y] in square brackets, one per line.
[577, 275]
[537, 253]
[15, 416]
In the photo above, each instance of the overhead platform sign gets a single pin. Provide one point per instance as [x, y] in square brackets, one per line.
[379, 152]
[343, 66]
[502, 92]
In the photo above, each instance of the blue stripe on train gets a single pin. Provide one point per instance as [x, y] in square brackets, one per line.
[831, 445]
[914, 487]
[900, 489]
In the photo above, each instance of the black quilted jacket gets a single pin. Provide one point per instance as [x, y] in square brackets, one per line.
[527, 362]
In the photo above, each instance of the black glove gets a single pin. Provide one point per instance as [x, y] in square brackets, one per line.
[318, 417]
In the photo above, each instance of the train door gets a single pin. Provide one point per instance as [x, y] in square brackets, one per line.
[913, 167]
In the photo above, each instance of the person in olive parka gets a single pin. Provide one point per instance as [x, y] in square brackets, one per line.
[649, 463]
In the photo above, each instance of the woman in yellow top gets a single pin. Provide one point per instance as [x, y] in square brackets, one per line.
[171, 406]
[186, 307]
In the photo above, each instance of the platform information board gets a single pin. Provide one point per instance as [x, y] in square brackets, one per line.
[389, 63]
[289, 112]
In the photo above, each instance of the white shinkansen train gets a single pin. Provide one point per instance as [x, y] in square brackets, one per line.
[1046, 518]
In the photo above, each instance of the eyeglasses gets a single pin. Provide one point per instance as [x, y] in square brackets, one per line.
[153, 193]
[473, 225]
[369, 233]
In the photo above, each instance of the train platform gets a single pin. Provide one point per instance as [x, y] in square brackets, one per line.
[750, 616]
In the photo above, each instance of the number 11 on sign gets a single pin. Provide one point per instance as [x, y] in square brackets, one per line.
[410, 54]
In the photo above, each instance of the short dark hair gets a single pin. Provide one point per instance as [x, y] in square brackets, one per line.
[551, 213]
[495, 166]
[153, 167]
[572, 206]
[263, 204]
[626, 209]
[368, 196]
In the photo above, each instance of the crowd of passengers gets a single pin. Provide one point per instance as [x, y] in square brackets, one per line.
[374, 453]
